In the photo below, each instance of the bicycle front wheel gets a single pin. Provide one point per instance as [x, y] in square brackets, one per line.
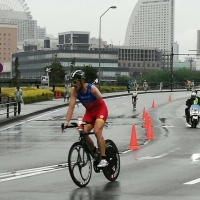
[111, 172]
[80, 165]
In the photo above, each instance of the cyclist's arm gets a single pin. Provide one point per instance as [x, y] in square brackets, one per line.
[72, 104]
[96, 92]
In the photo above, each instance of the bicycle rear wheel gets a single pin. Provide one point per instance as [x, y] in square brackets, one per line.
[111, 172]
[80, 165]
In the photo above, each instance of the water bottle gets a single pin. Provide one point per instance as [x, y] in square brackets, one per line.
[80, 120]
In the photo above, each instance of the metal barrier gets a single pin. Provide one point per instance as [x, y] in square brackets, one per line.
[6, 106]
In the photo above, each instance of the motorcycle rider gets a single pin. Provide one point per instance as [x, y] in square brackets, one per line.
[134, 99]
[192, 100]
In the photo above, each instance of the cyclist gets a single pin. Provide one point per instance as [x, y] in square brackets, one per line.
[96, 111]
[192, 100]
[134, 99]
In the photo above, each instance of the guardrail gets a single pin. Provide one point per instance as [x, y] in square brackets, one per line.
[7, 106]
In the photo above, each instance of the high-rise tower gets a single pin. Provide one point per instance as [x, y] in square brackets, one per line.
[151, 24]
[17, 12]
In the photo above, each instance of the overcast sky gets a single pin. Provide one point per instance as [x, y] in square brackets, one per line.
[83, 15]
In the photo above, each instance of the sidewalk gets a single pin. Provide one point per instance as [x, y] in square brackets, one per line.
[32, 109]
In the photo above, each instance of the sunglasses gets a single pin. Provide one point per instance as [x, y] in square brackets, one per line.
[75, 81]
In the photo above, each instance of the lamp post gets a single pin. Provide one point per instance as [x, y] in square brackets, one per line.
[100, 43]
[171, 67]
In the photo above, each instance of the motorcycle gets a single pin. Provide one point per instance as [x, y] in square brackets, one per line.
[194, 115]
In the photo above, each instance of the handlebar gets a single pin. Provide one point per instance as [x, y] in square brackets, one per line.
[74, 125]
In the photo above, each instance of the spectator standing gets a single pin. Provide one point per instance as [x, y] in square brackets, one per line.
[18, 98]
[135, 85]
[66, 92]
[145, 85]
[129, 86]
[161, 86]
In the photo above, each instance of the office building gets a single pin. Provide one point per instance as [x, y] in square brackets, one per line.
[33, 63]
[139, 60]
[8, 46]
[151, 24]
[74, 40]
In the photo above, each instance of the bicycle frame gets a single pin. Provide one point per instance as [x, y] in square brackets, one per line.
[80, 159]
[82, 135]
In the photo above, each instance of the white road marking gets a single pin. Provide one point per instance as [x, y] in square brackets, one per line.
[152, 157]
[30, 172]
[192, 182]
[30, 119]
[195, 157]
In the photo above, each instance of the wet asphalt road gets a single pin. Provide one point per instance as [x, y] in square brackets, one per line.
[34, 153]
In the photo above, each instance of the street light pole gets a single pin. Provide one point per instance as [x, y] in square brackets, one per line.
[171, 67]
[99, 79]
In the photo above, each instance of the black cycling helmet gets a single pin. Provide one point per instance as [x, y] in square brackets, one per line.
[193, 95]
[77, 75]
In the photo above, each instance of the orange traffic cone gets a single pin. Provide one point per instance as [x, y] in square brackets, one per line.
[146, 121]
[143, 113]
[153, 104]
[169, 98]
[149, 131]
[56, 95]
[133, 143]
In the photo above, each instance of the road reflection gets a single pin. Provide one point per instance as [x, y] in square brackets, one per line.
[110, 191]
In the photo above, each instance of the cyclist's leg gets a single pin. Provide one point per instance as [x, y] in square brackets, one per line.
[101, 117]
[88, 118]
[98, 128]
[87, 129]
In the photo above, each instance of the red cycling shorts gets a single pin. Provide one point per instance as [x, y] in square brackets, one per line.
[91, 115]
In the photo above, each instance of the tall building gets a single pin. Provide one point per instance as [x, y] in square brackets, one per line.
[198, 50]
[8, 46]
[16, 12]
[41, 32]
[8, 41]
[176, 51]
[151, 24]
[27, 28]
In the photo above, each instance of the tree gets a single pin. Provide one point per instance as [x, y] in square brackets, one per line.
[56, 74]
[123, 80]
[90, 72]
[16, 73]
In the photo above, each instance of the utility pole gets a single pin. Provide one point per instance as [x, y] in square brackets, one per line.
[171, 66]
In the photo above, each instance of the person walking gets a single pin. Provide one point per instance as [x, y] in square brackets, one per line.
[161, 86]
[18, 95]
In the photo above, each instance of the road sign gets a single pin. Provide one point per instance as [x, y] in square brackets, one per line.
[1, 67]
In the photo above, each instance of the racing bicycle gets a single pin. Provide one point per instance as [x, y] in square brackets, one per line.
[81, 159]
